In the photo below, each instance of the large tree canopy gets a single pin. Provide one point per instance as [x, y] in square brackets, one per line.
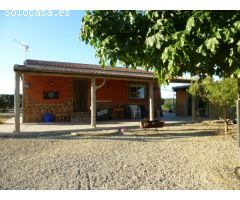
[168, 42]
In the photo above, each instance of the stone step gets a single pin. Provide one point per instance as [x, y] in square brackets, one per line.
[80, 117]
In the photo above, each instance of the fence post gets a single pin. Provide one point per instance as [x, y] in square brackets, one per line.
[238, 113]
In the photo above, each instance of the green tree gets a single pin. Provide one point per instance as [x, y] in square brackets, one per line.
[169, 105]
[168, 42]
[3, 103]
[222, 94]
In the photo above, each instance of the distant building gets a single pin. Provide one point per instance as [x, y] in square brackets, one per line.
[184, 104]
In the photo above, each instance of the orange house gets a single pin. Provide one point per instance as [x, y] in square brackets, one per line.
[81, 92]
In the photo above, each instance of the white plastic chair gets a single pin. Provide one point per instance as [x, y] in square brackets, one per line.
[135, 111]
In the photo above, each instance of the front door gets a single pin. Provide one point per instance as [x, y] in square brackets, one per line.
[80, 95]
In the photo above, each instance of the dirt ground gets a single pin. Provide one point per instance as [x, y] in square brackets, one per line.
[187, 156]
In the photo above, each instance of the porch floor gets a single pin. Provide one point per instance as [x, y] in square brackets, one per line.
[8, 126]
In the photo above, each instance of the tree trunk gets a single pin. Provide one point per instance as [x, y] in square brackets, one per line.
[226, 127]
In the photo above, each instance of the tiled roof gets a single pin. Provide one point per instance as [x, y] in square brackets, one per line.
[41, 66]
[80, 69]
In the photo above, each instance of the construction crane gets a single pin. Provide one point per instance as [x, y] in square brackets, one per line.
[25, 46]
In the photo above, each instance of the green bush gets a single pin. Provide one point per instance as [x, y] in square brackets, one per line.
[3, 103]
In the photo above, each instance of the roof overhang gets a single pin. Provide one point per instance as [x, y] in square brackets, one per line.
[37, 67]
[182, 87]
[101, 72]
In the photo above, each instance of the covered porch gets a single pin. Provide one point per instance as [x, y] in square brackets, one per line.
[70, 89]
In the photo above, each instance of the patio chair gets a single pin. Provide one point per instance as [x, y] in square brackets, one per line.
[135, 111]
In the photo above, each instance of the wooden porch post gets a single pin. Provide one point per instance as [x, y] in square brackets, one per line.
[17, 102]
[93, 102]
[151, 102]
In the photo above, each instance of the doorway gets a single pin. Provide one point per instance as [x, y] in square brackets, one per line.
[80, 95]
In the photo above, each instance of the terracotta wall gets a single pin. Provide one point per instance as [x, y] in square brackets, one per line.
[116, 92]
[34, 105]
[113, 94]
[38, 84]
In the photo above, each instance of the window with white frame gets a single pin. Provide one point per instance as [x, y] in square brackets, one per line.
[137, 91]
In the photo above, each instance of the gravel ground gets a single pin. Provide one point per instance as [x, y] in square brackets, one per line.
[179, 157]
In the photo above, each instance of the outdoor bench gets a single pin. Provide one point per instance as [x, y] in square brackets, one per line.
[146, 125]
[62, 117]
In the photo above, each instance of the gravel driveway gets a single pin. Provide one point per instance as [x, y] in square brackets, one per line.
[173, 159]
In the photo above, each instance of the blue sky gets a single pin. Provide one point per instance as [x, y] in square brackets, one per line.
[49, 38]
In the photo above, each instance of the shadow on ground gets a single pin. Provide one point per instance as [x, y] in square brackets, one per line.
[134, 135]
